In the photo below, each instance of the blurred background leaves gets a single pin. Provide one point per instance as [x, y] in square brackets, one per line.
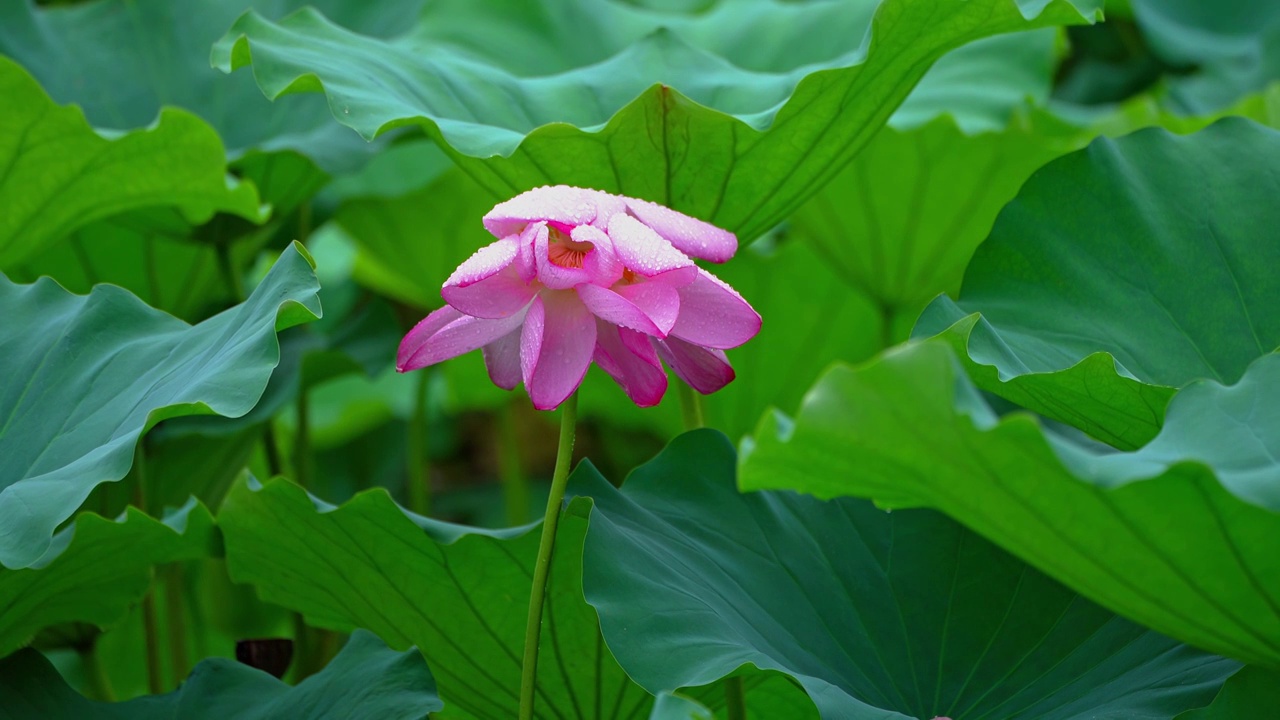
[210, 183]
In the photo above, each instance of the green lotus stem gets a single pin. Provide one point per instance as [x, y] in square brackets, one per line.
[99, 684]
[175, 605]
[150, 631]
[542, 567]
[515, 487]
[302, 441]
[271, 449]
[419, 477]
[155, 681]
[735, 697]
[690, 406]
[229, 274]
[886, 325]
[304, 221]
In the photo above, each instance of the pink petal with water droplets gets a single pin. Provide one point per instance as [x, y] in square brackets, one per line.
[502, 360]
[556, 346]
[645, 252]
[689, 235]
[714, 315]
[705, 369]
[488, 284]
[607, 206]
[601, 263]
[618, 310]
[632, 362]
[562, 204]
[447, 333]
[525, 262]
[535, 320]
[658, 300]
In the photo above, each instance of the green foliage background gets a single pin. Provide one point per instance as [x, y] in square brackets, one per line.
[1005, 447]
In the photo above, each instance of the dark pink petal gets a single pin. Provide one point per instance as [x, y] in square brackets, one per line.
[561, 204]
[488, 284]
[602, 263]
[689, 235]
[705, 369]
[618, 310]
[645, 252]
[421, 333]
[632, 362]
[502, 360]
[714, 315]
[447, 333]
[556, 346]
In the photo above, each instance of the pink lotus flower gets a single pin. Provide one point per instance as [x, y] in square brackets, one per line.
[579, 275]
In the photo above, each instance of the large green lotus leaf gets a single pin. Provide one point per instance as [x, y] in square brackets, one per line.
[1253, 692]
[160, 256]
[150, 254]
[202, 454]
[416, 218]
[365, 680]
[734, 114]
[1226, 49]
[96, 570]
[122, 60]
[457, 593]
[984, 84]
[61, 175]
[409, 243]
[877, 615]
[1178, 535]
[902, 220]
[678, 707]
[94, 371]
[768, 694]
[1124, 271]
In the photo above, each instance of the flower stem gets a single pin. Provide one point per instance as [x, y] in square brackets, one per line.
[229, 275]
[542, 568]
[302, 441]
[886, 313]
[175, 605]
[150, 631]
[690, 406]
[419, 477]
[99, 684]
[735, 698]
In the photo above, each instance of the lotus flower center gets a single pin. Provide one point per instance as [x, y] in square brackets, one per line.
[565, 252]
